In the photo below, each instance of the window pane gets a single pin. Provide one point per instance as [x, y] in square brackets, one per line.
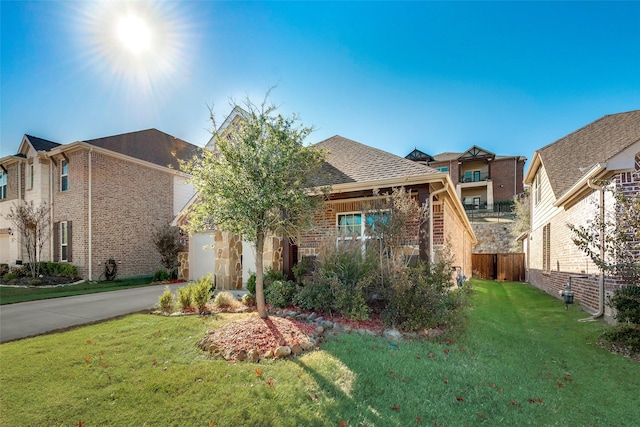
[64, 183]
[350, 224]
[63, 233]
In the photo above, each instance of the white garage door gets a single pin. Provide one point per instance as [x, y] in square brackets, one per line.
[248, 261]
[4, 249]
[202, 259]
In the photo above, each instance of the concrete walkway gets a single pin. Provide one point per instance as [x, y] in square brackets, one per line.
[27, 319]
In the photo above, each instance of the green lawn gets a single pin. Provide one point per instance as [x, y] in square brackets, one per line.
[10, 295]
[524, 360]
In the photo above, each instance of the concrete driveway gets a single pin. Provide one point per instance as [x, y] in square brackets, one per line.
[27, 319]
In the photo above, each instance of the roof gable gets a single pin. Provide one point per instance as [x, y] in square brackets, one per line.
[476, 153]
[568, 159]
[419, 156]
[40, 144]
[350, 161]
[150, 145]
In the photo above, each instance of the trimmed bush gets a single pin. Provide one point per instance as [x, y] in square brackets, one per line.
[166, 300]
[161, 276]
[201, 291]
[185, 297]
[251, 284]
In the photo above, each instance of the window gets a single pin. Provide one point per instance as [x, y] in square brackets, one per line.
[537, 192]
[31, 176]
[467, 176]
[351, 225]
[64, 241]
[64, 175]
[443, 169]
[3, 185]
[546, 247]
[476, 176]
[476, 203]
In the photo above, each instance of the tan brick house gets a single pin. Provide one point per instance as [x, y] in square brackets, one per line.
[563, 177]
[106, 195]
[481, 178]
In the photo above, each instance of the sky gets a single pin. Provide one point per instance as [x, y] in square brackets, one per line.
[510, 77]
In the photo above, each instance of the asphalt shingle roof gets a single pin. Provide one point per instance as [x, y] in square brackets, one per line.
[568, 159]
[150, 145]
[350, 161]
[40, 144]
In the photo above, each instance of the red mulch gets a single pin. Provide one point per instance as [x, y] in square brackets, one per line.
[260, 334]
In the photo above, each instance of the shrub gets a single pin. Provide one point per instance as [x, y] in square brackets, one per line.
[160, 276]
[166, 300]
[249, 300]
[60, 269]
[9, 276]
[201, 291]
[625, 336]
[224, 300]
[251, 284]
[626, 301]
[185, 297]
[272, 275]
[280, 293]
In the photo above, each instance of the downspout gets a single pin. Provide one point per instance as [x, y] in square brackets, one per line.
[600, 312]
[51, 249]
[89, 220]
[435, 193]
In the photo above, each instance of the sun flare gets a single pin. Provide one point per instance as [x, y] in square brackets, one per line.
[134, 33]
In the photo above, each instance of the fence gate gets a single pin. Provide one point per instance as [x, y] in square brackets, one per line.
[501, 267]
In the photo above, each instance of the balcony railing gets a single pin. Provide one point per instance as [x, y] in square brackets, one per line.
[476, 177]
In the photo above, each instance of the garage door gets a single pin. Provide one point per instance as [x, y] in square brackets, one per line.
[4, 249]
[202, 259]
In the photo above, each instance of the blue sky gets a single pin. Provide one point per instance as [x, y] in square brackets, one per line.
[440, 76]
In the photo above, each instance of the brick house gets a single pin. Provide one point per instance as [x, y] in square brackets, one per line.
[481, 178]
[563, 177]
[107, 196]
[354, 170]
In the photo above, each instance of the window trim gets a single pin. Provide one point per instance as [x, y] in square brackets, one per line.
[363, 225]
[537, 189]
[64, 175]
[546, 248]
[64, 241]
[4, 181]
[31, 176]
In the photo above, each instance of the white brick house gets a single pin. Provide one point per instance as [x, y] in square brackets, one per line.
[107, 196]
[563, 177]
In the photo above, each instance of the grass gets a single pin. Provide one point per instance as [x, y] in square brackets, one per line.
[10, 295]
[524, 360]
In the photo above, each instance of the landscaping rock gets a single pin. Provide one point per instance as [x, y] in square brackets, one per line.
[319, 330]
[392, 334]
[268, 354]
[241, 355]
[306, 346]
[296, 349]
[282, 351]
[253, 355]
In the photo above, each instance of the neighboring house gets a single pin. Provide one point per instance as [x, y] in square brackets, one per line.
[353, 171]
[563, 177]
[482, 178]
[107, 196]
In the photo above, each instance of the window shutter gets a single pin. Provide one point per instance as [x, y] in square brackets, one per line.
[69, 240]
[56, 242]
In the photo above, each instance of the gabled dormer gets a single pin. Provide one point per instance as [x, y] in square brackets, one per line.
[476, 153]
[419, 156]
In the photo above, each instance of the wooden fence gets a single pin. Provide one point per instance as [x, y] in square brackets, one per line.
[500, 267]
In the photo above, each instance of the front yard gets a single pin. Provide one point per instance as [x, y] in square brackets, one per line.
[524, 360]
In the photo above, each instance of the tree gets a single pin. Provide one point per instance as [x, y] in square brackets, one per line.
[612, 238]
[167, 242]
[257, 182]
[32, 224]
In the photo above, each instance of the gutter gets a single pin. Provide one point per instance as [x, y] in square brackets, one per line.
[600, 312]
[587, 179]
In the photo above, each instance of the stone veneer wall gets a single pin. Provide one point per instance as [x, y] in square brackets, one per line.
[493, 238]
[228, 250]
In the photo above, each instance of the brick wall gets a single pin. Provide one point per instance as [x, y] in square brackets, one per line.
[565, 257]
[506, 175]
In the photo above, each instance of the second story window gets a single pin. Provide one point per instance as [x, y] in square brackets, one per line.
[3, 185]
[31, 176]
[64, 175]
[537, 191]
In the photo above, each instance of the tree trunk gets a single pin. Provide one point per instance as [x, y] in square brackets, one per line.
[262, 311]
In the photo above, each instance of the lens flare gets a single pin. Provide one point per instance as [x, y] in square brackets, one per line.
[141, 48]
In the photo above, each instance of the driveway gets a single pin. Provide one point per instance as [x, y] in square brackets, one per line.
[32, 318]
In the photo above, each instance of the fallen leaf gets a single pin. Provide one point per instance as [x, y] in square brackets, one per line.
[89, 341]
[514, 403]
[481, 416]
[446, 380]
[500, 389]
[431, 355]
[560, 384]
[492, 385]
[418, 419]
[87, 358]
[344, 423]
[446, 351]
[536, 400]
[80, 423]
[569, 380]
[270, 382]
[460, 399]
[395, 407]
[258, 372]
